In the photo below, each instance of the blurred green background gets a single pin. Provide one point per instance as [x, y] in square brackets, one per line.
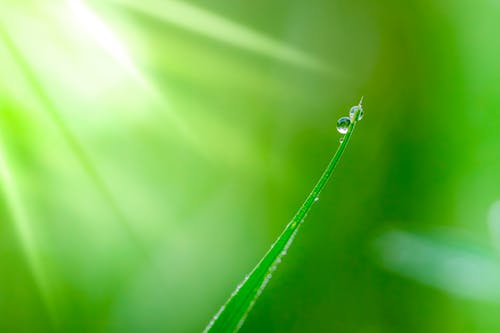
[151, 151]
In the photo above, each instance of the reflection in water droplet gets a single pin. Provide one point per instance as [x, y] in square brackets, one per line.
[353, 110]
[316, 199]
[343, 125]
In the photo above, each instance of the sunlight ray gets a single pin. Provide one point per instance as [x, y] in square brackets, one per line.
[72, 141]
[224, 30]
[107, 39]
[23, 228]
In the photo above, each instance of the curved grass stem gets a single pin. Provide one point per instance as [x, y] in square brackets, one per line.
[232, 314]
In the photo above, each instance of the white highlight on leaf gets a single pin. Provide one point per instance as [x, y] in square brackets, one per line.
[442, 263]
[494, 222]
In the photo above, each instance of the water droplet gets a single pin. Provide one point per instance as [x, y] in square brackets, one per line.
[343, 125]
[316, 199]
[353, 110]
[341, 139]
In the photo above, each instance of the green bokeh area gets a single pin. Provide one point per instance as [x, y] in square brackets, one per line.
[151, 152]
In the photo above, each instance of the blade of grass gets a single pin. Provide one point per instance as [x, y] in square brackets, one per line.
[233, 313]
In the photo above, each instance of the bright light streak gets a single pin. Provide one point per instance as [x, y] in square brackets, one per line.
[219, 28]
[494, 222]
[22, 225]
[458, 270]
[105, 38]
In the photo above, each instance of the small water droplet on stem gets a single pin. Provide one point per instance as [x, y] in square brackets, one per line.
[353, 110]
